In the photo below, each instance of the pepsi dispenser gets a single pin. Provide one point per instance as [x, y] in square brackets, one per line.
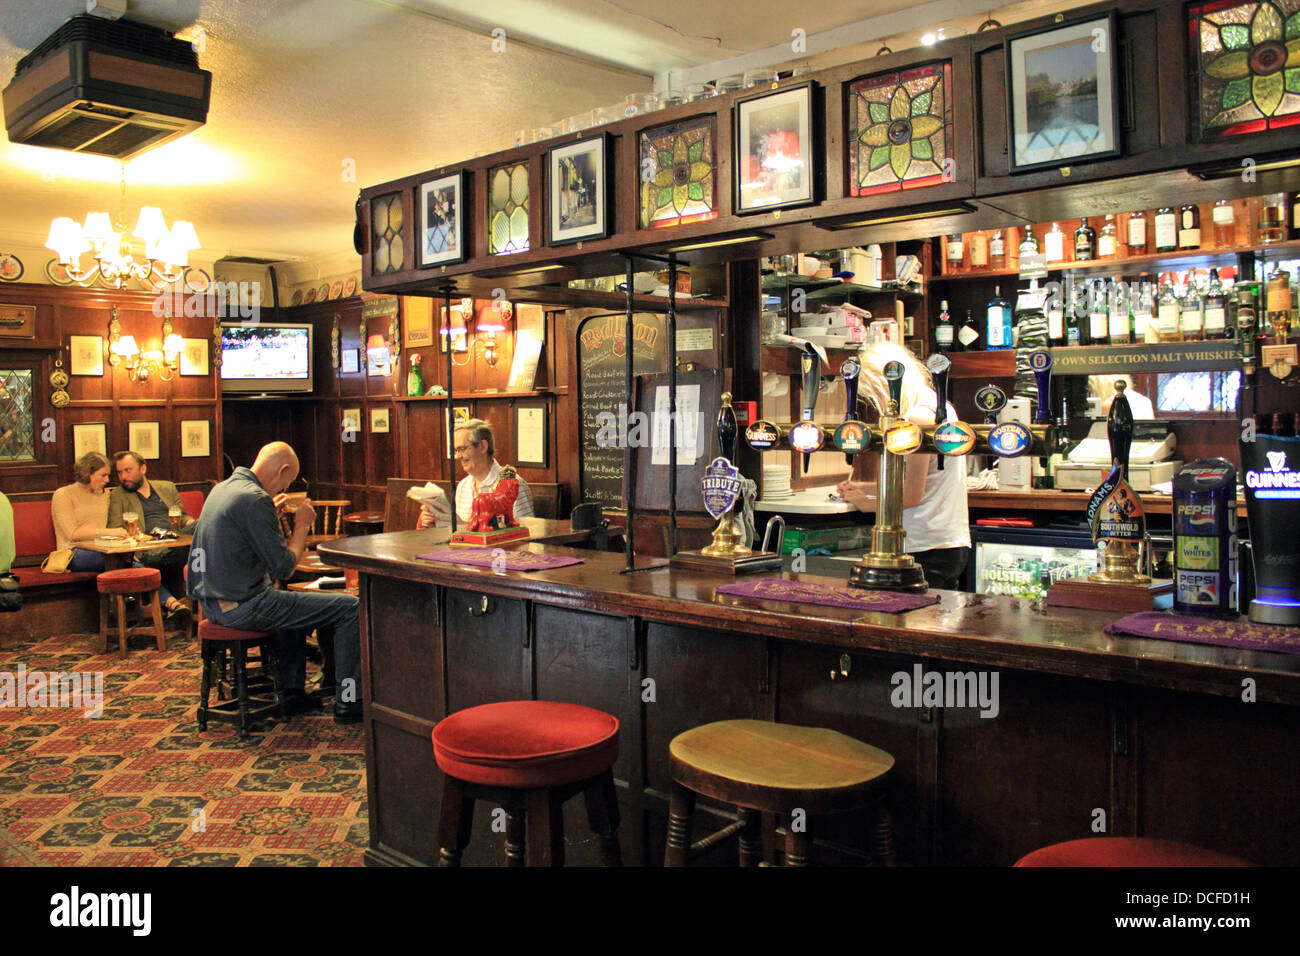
[1270, 468]
[1205, 538]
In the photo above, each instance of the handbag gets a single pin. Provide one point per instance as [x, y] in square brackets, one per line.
[11, 598]
[57, 562]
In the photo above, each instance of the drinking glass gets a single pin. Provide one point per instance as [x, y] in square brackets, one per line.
[131, 524]
[730, 84]
[637, 103]
[760, 77]
[698, 91]
[174, 517]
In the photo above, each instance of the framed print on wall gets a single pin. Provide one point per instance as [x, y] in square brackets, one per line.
[1063, 94]
[379, 421]
[142, 437]
[351, 360]
[87, 355]
[195, 441]
[194, 357]
[578, 191]
[774, 160]
[89, 436]
[530, 435]
[441, 204]
[417, 330]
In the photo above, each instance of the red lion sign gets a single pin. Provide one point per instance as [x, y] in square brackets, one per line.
[494, 510]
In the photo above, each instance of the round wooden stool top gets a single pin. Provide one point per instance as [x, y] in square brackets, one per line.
[779, 767]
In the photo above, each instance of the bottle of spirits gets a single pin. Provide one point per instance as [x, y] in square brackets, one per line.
[943, 330]
[968, 336]
[1076, 316]
[1098, 316]
[1054, 243]
[997, 333]
[1144, 309]
[1055, 308]
[1216, 309]
[997, 251]
[955, 253]
[1167, 312]
[1225, 224]
[1295, 215]
[1166, 229]
[1189, 227]
[979, 251]
[1108, 241]
[1137, 233]
[1028, 245]
[1192, 313]
[1085, 242]
[1120, 329]
[1272, 218]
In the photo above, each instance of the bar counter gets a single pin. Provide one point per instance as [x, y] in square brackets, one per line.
[1137, 737]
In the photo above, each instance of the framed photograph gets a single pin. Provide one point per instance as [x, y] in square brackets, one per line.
[1063, 94]
[578, 191]
[775, 159]
[195, 438]
[441, 207]
[87, 355]
[17, 321]
[352, 420]
[89, 436]
[194, 359]
[417, 330]
[142, 437]
[351, 360]
[379, 421]
[530, 435]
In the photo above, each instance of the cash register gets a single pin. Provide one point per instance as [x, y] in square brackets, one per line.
[1151, 460]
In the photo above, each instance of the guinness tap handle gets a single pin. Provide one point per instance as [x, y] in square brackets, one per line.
[727, 430]
[938, 364]
[1041, 363]
[1119, 429]
[850, 371]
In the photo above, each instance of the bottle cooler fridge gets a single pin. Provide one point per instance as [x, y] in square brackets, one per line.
[1025, 562]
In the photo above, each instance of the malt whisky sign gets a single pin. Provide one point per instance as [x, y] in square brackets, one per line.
[1219, 355]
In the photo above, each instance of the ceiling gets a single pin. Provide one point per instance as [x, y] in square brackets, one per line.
[313, 99]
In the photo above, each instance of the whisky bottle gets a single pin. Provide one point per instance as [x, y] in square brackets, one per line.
[1120, 327]
[1098, 316]
[1108, 241]
[1029, 245]
[1191, 319]
[968, 336]
[1272, 218]
[1144, 317]
[1137, 233]
[1167, 312]
[1085, 242]
[1225, 224]
[1055, 309]
[1216, 309]
[997, 251]
[955, 252]
[1054, 243]
[997, 333]
[943, 331]
[979, 252]
[1166, 229]
[1076, 318]
[1189, 227]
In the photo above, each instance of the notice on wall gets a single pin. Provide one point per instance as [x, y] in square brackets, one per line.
[695, 340]
[688, 422]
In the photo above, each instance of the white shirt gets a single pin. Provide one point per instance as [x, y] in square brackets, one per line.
[465, 492]
[942, 519]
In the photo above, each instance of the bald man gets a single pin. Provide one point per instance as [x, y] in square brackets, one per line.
[238, 552]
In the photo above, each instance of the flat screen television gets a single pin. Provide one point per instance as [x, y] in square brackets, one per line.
[265, 358]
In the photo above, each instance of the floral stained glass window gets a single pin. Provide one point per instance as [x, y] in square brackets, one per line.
[387, 252]
[900, 129]
[1247, 65]
[678, 174]
[508, 209]
[17, 416]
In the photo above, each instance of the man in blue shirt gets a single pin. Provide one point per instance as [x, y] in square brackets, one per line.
[238, 552]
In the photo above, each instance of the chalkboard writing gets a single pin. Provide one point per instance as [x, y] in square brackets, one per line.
[602, 387]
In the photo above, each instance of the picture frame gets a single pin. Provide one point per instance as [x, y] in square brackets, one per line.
[195, 438]
[89, 436]
[1063, 94]
[530, 434]
[440, 206]
[417, 330]
[143, 438]
[452, 420]
[17, 321]
[578, 190]
[351, 361]
[351, 420]
[86, 355]
[379, 361]
[194, 357]
[775, 150]
[379, 421]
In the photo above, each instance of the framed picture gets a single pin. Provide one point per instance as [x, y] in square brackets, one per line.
[578, 191]
[142, 437]
[194, 358]
[351, 360]
[87, 355]
[379, 421]
[1063, 94]
[195, 441]
[441, 207]
[775, 159]
[530, 435]
[89, 436]
[458, 414]
[17, 321]
[352, 420]
[379, 360]
[417, 331]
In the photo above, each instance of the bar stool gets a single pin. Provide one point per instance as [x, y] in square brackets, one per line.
[115, 586]
[764, 767]
[1127, 851]
[214, 641]
[529, 756]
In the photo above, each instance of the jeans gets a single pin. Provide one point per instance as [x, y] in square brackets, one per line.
[86, 560]
[943, 567]
[294, 614]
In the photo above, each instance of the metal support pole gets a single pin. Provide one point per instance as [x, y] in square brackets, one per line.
[451, 418]
[629, 345]
[672, 404]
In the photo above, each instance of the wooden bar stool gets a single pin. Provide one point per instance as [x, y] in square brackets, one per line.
[115, 586]
[763, 767]
[1127, 851]
[529, 756]
[214, 642]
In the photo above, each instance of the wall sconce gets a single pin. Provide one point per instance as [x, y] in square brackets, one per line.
[454, 331]
[140, 365]
[493, 321]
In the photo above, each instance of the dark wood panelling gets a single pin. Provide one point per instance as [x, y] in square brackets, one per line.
[494, 636]
[407, 664]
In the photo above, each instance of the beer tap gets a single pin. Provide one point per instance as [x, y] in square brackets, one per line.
[811, 366]
[938, 364]
[849, 371]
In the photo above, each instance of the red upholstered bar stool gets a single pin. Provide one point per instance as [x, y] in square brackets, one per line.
[529, 756]
[214, 641]
[761, 767]
[115, 586]
[1127, 851]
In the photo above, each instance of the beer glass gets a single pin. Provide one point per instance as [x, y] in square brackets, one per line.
[174, 516]
[131, 524]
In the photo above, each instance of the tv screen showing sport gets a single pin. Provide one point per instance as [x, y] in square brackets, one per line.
[266, 358]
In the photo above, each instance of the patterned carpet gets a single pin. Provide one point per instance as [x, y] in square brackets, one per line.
[140, 786]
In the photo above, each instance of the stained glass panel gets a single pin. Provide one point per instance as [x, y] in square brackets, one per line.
[508, 209]
[1247, 65]
[900, 129]
[17, 415]
[678, 174]
[387, 250]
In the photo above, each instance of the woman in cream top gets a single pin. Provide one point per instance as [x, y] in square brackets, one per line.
[80, 511]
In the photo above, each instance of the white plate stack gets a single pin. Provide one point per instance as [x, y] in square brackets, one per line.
[776, 482]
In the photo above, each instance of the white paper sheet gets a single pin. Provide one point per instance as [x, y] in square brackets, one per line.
[688, 426]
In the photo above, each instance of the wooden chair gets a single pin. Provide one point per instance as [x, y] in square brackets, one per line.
[329, 521]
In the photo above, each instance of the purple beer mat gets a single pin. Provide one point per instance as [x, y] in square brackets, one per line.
[772, 588]
[515, 560]
[1246, 635]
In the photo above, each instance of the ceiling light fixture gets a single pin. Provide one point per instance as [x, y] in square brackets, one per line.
[930, 39]
[710, 244]
[958, 209]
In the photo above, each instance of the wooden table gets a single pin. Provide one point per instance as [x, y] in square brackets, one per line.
[121, 556]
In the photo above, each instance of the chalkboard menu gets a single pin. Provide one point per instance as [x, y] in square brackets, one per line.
[602, 388]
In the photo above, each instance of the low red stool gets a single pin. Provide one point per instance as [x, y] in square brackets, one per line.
[529, 756]
[115, 586]
[214, 641]
[1127, 851]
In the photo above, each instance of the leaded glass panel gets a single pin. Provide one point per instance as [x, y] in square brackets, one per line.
[1246, 65]
[387, 251]
[900, 129]
[17, 415]
[508, 209]
[678, 174]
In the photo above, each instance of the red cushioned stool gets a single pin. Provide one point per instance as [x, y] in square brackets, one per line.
[529, 756]
[115, 586]
[214, 641]
[1127, 851]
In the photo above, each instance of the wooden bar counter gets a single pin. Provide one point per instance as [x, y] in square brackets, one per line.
[1092, 733]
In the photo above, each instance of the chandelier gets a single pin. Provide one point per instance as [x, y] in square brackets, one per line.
[166, 251]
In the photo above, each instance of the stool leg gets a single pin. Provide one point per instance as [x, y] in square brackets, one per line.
[205, 684]
[602, 816]
[155, 609]
[680, 810]
[544, 828]
[104, 600]
[454, 821]
[121, 624]
[515, 835]
[751, 836]
[798, 846]
[271, 663]
[241, 687]
[882, 837]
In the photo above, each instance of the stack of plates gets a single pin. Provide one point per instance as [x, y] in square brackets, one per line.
[776, 482]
